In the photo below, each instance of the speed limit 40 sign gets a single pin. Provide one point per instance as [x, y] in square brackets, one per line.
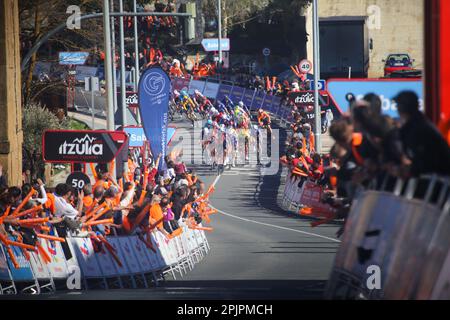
[305, 66]
[78, 180]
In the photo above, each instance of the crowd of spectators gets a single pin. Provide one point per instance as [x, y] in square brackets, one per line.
[369, 146]
[151, 197]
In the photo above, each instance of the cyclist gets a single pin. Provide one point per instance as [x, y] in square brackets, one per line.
[264, 120]
[202, 101]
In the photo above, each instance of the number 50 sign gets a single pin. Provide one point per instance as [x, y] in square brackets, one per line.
[305, 66]
[78, 180]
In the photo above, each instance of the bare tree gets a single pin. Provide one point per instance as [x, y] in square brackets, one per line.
[38, 17]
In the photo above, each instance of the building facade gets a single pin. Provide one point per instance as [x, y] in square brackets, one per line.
[392, 27]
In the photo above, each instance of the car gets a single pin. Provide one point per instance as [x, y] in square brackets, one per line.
[397, 62]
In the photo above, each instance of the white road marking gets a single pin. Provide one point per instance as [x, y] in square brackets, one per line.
[267, 224]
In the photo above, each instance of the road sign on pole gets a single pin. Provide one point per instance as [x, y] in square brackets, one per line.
[321, 85]
[305, 66]
[73, 58]
[212, 44]
[266, 52]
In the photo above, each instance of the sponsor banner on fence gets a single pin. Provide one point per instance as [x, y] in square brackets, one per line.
[107, 264]
[267, 105]
[121, 269]
[434, 280]
[4, 273]
[137, 138]
[39, 267]
[23, 272]
[57, 265]
[391, 233]
[224, 90]
[180, 84]
[211, 90]
[128, 252]
[276, 102]
[259, 100]
[196, 85]
[248, 97]
[143, 254]
[65, 146]
[237, 94]
[387, 89]
[86, 257]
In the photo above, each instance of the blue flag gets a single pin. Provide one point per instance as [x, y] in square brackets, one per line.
[154, 94]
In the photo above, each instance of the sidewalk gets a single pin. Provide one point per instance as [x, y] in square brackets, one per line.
[100, 124]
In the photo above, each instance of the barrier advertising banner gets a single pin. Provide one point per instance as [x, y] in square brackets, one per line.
[248, 97]
[106, 263]
[142, 254]
[196, 85]
[57, 265]
[39, 267]
[137, 136]
[211, 90]
[267, 103]
[237, 94]
[180, 84]
[387, 89]
[64, 146]
[224, 90]
[128, 252]
[276, 102]
[154, 94]
[86, 257]
[259, 100]
[23, 272]
[4, 273]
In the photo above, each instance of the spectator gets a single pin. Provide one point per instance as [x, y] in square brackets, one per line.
[422, 143]
[64, 209]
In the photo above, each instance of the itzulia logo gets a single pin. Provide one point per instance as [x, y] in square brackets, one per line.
[81, 147]
[305, 98]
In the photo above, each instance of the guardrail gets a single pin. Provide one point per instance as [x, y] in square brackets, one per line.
[125, 262]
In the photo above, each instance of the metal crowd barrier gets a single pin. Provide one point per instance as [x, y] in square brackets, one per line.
[135, 265]
[399, 228]
[217, 89]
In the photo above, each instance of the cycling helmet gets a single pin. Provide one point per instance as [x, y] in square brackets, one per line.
[241, 104]
[197, 93]
[176, 93]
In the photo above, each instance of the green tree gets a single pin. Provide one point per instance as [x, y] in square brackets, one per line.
[36, 119]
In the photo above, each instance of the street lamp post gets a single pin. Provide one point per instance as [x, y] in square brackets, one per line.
[220, 31]
[123, 89]
[316, 46]
[108, 67]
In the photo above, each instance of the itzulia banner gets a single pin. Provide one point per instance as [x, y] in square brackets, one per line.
[154, 95]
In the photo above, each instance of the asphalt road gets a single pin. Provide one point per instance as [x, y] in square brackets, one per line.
[258, 251]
